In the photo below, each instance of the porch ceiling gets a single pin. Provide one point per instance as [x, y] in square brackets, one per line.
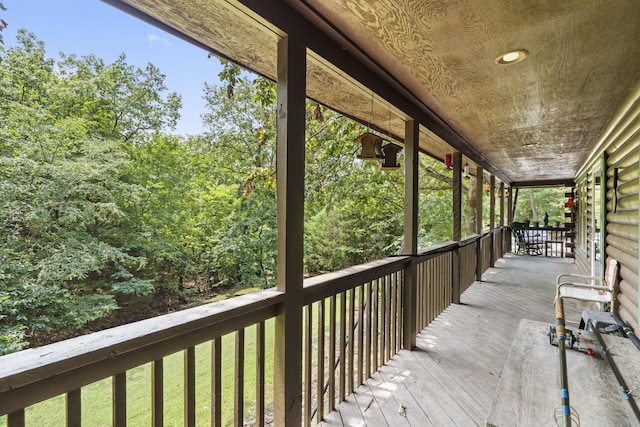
[532, 121]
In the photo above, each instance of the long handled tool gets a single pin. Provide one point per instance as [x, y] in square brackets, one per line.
[623, 385]
[564, 382]
[627, 330]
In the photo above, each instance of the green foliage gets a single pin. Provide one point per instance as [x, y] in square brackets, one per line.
[241, 144]
[65, 206]
[3, 23]
[549, 200]
[354, 209]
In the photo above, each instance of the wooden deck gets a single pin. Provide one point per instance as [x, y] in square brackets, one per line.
[451, 378]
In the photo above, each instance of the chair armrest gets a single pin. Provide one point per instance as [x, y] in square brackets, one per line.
[583, 286]
[579, 276]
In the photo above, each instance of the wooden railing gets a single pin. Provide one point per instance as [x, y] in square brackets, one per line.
[468, 258]
[353, 324]
[434, 291]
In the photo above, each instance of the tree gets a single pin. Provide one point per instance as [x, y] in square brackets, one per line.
[65, 206]
[3, 23]
[241, 143]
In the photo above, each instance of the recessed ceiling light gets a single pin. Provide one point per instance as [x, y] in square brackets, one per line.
[511, 57]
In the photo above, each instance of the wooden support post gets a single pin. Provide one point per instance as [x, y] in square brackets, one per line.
[492, 219]
[290, 194]
[479, 182]
[509, 215]
[410, 231]
[457, 226]
[513, 198]
[502, 237]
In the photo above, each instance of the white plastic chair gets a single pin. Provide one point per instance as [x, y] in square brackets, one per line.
[601, 289]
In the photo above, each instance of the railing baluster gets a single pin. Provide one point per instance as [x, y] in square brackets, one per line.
[389, 310]
[308, 349]
[437, 291]
[238, 418]
[216, 382]
[157, 393]
[394, 312]
[119, 396]
[383, 321]
[16, 419]
[374, 328]
[420, 295]
[400, 290]
[361, 318]
[332, 353]
[351, 324]
[446, 265]
[368, 332]
[343, 343]
[74, 408]
[190, 387]
[260, 368]
[320, 367]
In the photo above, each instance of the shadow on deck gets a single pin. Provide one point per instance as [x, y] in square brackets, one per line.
[452, 375]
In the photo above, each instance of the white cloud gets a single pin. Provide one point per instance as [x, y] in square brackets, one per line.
[154, 38]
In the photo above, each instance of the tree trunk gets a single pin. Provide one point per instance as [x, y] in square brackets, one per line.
[534, 211]
[470, 209]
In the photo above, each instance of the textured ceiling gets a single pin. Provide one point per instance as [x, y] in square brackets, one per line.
[531, 121]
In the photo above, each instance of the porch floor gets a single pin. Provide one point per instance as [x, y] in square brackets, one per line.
[452, 375]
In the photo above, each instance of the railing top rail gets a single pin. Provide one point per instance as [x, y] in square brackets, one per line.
[469, 240]
[190, 327]
[324, 285]
[438, 249]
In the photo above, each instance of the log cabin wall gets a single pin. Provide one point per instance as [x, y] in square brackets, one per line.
[618, 145]
[622, 220]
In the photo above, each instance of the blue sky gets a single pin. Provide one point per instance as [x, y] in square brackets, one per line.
[91, 26]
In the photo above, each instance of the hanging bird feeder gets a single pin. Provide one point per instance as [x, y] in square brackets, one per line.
[390, 152]
[448, 160]
[371, 147]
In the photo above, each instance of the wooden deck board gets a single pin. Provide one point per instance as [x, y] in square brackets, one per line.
[452, 375]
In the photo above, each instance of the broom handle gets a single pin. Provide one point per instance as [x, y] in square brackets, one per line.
[564, 382]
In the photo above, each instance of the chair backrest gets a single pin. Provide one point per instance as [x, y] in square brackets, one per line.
[611, 273]
[517, 228]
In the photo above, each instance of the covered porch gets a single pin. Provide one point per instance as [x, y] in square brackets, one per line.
[422, 337]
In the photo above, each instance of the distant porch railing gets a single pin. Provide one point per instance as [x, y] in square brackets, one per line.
[353, 324]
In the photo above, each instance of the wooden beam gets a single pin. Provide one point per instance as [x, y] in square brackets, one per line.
[410, 230]
[544, 183]
[290, 194]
